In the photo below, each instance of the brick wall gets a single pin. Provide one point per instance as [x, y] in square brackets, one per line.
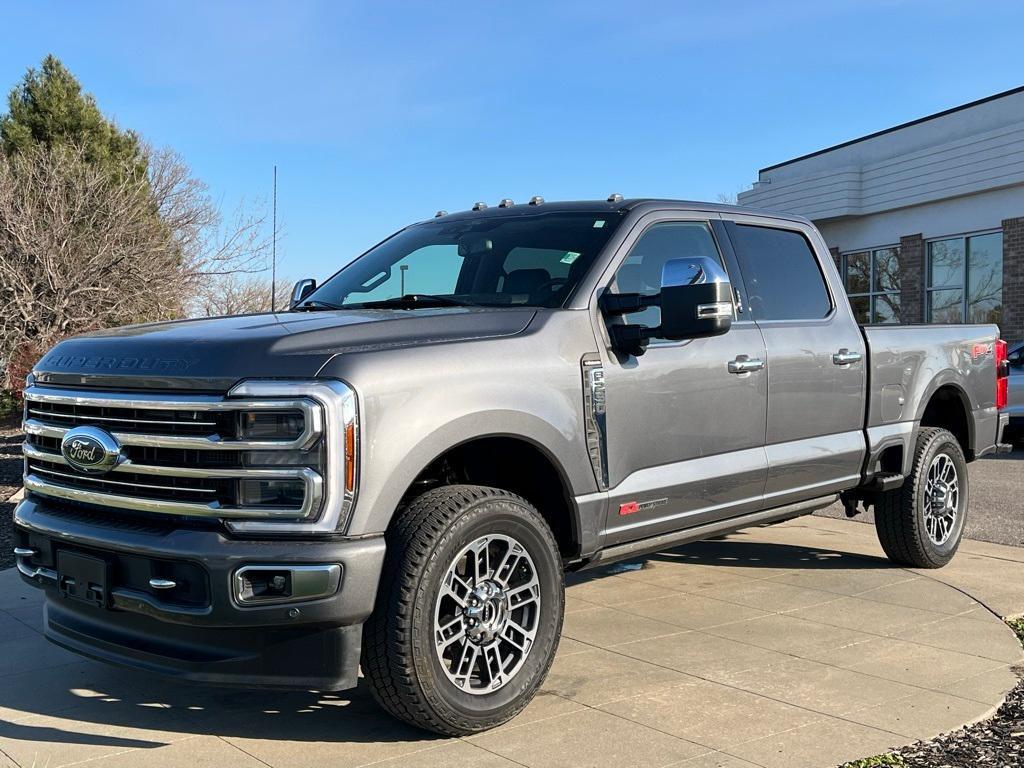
[834, 250]
[1013, 279]
[912, 298]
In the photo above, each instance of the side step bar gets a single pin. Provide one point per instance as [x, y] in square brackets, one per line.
[708, 530]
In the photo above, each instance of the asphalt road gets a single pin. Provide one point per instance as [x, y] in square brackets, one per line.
[997, 500]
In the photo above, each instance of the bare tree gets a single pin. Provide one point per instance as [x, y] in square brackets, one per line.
[238, 294]
[82, 248]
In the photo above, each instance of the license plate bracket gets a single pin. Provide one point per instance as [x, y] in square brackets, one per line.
[83, 578]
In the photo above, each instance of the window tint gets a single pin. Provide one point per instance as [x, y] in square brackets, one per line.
[641, 271]
[783, 279]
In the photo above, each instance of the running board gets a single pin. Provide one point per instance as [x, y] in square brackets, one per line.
[706, 531]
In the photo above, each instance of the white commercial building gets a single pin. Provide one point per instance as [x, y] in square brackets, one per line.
[926, 219]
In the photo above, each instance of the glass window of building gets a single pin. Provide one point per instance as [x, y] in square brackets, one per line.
[965, 279]
[872, 280]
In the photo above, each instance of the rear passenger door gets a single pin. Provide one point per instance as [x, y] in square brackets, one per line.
[815, 360]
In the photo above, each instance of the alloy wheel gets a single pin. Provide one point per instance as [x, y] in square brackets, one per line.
[487, 613]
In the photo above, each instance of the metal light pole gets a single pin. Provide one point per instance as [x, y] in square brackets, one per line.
[403, 268]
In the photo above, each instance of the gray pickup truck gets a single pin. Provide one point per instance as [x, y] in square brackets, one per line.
[397, 471]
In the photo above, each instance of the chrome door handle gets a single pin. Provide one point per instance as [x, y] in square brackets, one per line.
[744, 364]
[845, 357]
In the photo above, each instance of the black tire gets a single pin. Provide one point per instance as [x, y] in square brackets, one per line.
[399, 658]
[900, 514]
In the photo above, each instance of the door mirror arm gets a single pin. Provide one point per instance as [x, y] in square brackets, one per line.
[629, 338]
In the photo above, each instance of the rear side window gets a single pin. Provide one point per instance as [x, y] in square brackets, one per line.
[783, 279]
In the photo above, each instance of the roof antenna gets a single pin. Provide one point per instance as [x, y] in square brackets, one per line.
[273, 253]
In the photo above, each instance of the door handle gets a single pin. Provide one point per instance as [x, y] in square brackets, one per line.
[744, 364]
[845, 357]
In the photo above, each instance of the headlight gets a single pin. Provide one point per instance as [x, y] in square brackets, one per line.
[270, 425]
[271, 493]
[322, 437]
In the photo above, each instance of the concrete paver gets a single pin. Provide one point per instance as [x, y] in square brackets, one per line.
[792, 645]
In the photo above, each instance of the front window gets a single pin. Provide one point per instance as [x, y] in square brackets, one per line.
[872, 280]
[965, 279]
[497, 261]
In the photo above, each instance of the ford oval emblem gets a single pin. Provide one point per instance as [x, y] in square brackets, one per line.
[91, 450]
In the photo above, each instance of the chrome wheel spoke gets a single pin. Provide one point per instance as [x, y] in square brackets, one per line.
[526, 593]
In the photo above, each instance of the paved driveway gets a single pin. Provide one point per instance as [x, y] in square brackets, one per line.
[794, 645]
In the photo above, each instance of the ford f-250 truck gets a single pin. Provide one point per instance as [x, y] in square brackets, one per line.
[397, 471]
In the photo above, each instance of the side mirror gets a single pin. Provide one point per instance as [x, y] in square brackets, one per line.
[696, 299]
[1016, 360]
[301, 290]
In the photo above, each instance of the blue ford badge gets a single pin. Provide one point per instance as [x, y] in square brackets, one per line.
[91, 450]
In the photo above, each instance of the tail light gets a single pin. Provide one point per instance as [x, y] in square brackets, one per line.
[1002, 375]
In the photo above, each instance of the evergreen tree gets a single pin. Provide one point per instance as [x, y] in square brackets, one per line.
[49, 109]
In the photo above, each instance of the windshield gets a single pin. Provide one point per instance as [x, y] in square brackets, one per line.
[531, 260]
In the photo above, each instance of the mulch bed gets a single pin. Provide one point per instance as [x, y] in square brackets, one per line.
[996, 742]
[10, 482]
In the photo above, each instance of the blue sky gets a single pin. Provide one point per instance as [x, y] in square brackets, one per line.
[379, 113]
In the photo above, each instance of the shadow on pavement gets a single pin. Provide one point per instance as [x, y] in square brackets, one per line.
[96, 704]
[747, 554]
[735, 552]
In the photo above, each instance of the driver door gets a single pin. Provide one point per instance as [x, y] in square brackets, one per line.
[685, 436]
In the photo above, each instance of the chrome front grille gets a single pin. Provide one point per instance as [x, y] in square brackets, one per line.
[183, 422]
[188, 455]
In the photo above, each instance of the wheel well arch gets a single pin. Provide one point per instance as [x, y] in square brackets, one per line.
[949, 408]
[512, 463]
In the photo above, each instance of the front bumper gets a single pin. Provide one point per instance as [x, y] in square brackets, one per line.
[199, 630]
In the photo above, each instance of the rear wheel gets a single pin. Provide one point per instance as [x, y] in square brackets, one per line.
[921, 523]
[468, 613]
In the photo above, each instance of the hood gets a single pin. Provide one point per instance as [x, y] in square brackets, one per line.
[212, 354]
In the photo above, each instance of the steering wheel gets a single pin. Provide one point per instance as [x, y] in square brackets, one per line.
[549, 286]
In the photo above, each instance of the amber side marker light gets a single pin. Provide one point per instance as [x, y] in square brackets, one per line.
[350, 458]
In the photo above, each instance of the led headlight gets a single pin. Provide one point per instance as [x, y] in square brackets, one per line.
[309, 429]
[271, 493]
[270, 425]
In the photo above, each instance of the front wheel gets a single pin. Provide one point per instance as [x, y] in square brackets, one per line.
[921, 523]
[468, 613]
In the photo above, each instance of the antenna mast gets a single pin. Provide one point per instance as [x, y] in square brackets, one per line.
[273, 253]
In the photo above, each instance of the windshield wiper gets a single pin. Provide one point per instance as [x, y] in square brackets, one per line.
[315, 305]
[411, 301]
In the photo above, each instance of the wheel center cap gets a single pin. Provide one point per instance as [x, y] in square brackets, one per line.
[941, 496]
[486, 612]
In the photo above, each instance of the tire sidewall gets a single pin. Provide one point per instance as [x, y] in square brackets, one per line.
[942, 443]
[489, 516]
